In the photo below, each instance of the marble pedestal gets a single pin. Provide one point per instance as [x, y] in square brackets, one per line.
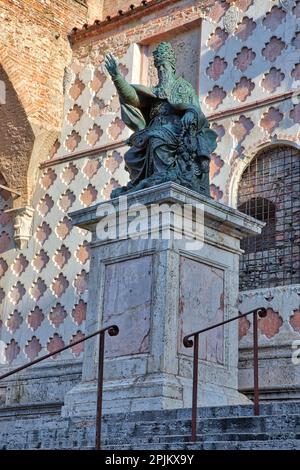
[157, 289]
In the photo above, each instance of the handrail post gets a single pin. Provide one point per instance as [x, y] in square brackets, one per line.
[189, 343]
[255, 363]
[112, 330]
[99, 391]
[195, 387]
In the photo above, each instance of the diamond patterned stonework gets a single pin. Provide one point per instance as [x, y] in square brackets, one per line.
[112, 184]
[54, 343]
[79, 312]
[66, 200]
[245, 28]
[272, 79]
[3, 267]
[295, 114]
[219, 129]
[48, 178]
[244, 326]
[76, 89]
[244, 59]
[63, 228]
[271, 119]
[295, 320]
[216, 192]
[273, 49]
[16, 293]
[216, 68]
[59, 285]
[80, 282]
[32, 348]
[88, 195]
[241, 128]
[19, 265]
[40, 261]
[215, 97]
[35, 318]
[98, 81]
[47, 308]
[57, 315]
[78, 348]
[274, 18]
[11, 352]
[94, 135]
[69, 173]
[271, 324]
[113, 162]
[38, 289]
[217, 39]
[215, 166]
[243, 89]
[43, 232]
[97, 108]
[90, 168]
[75, 114]
[14, 321]
[82, 253]
[72, 141]
[62, 256]
[116, 128]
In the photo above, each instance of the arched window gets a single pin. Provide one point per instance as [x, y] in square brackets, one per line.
[269, 190]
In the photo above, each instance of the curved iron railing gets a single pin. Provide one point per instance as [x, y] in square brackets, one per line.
[189, 343]
[112, 330]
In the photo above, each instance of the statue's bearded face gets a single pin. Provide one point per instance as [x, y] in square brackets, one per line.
[165, 72]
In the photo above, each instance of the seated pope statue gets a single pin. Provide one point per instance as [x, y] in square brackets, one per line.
[171, 138]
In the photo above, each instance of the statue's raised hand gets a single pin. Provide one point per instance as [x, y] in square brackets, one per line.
[111, 65]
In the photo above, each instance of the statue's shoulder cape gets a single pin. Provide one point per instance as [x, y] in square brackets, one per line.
[182, 92]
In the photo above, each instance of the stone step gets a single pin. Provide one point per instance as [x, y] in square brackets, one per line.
[31, 410]
[218, 445]
[266, 409]
[44, 428]
[202, 438]
[253, 424]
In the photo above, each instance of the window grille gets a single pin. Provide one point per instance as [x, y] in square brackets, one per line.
[269, 190]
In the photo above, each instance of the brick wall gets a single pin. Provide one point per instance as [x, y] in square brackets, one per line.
[111, 8]
[34, 51]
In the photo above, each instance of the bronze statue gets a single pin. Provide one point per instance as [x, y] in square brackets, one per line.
[172, 140]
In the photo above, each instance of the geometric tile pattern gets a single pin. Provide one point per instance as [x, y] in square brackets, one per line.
[43, 292]
[46, 283]
[237, 69]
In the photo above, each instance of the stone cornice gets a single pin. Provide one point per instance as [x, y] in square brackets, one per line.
[123, 17]
[277, 98]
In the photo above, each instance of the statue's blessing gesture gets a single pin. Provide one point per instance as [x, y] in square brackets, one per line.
[172, 140]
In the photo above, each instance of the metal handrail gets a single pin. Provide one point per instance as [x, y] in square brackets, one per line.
[189, 343]
[112, 330]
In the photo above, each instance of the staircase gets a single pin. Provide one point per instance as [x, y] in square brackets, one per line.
[218, 428]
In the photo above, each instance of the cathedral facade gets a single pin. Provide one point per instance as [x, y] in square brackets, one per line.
[62, 149]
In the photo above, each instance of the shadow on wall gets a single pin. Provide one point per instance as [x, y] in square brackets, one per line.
[17, 139]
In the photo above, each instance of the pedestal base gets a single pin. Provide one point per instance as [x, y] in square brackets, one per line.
[147, 394]
[158, 289]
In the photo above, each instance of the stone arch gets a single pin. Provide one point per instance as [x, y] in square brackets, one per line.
[239, 166]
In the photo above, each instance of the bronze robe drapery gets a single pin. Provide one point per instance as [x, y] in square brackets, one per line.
[158, 129]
